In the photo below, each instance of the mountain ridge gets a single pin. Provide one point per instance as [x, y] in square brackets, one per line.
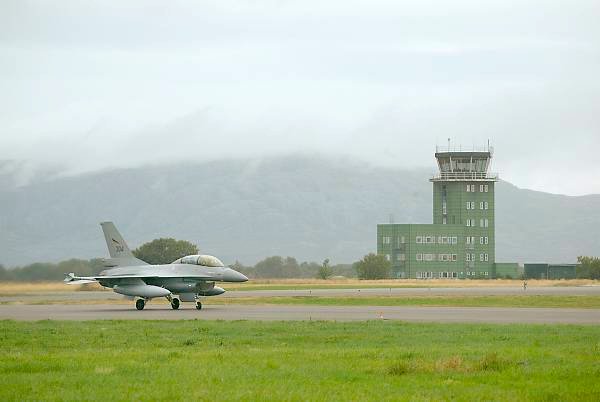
[308, 207]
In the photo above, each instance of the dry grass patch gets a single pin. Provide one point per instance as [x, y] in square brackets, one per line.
[12, 288]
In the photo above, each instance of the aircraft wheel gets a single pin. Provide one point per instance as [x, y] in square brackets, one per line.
[140, 303]
[198, 306]
[175, 304]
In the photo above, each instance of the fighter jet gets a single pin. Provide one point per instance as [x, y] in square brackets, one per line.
[184, 280]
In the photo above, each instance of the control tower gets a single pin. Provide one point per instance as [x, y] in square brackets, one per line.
[463, 194]
[460, 243]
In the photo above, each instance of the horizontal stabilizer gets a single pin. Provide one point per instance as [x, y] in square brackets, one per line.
[71, 279]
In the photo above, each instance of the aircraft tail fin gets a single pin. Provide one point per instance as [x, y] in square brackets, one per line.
[117, 248]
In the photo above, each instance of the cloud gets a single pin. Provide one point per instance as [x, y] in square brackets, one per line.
[98, 84]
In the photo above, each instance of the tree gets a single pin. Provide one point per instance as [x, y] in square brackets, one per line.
[373, 266]
[589, 267]
[164, 250]
[325, 270]
[4, 274]
[277, 267]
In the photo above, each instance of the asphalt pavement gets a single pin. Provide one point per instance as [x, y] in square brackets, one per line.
[72, 296]
[163, 311]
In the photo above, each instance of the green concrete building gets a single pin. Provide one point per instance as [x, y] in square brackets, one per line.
[460, 243]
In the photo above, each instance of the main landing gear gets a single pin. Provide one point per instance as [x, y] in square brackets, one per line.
[174, 302]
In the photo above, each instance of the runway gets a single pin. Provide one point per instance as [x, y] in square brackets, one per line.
[72, 296]
[305, 312]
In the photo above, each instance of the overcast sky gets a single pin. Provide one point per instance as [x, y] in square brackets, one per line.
[88, 85]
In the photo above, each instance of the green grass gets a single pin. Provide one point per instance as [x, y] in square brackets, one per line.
[252, 360]
[310, 286]
[448, 301]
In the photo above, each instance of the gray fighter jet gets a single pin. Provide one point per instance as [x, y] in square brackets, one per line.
[184, 280]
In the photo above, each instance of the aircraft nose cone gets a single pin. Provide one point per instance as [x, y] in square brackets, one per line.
[234, 276]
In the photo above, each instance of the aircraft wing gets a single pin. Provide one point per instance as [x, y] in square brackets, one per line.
[71, 279]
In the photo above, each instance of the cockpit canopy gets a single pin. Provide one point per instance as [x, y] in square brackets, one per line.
[204, 260]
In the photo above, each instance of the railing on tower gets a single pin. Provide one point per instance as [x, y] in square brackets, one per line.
[461, 176]
[460, 148]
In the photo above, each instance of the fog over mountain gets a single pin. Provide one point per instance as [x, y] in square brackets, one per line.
[309, 207]
[91, 85]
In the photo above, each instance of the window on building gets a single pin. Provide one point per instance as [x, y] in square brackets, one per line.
[481, 222]
[486, 256]
[486, 222]
[481, 188]
[468, 240]
[472, 257]
[419, 257]
[387, 257]
[419, 240]
[387, 239]
[472, 239]
[468, 188]
[468, 222]
[481, 205]
[468, 205]
[486, 188]
[481, 257]
[486, 239]
[485, 204]
[402, 239]
[454, 240]
[481, 240]
[472, 204]
[401, 257]
[444, 221]
[454, 257]
[472, 188]
[468, 257]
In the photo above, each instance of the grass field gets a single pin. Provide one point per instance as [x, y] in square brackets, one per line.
[242, 360]
[530, 301]
[444, 301]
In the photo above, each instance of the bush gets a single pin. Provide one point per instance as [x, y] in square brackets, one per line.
[373, 266]
[588, 268]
